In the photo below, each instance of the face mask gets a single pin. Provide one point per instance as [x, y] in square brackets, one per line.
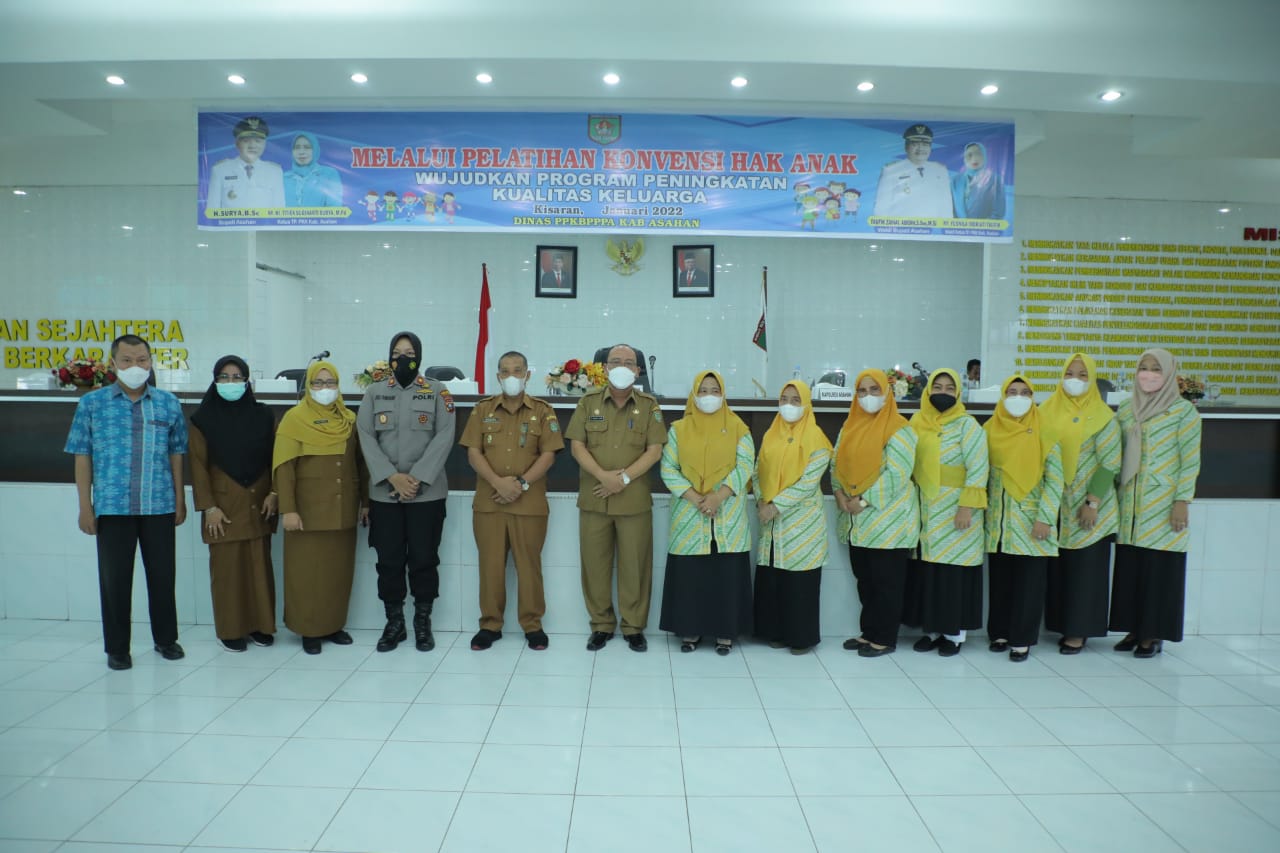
[134, 377]
[709, 404]
[621, 377]
[942, 402]
[871, 403]
[1075, 387]
[791, 413]
[405, 368]
[512, 386]
[231, 391]
[1150, 381]
[324, 396]
[1017, 406]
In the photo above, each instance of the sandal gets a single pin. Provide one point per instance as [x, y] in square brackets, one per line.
[688, 644]
[723, 647]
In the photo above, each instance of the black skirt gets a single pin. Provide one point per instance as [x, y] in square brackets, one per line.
[1148, 593]
[1079, 589]
[786, 607]
[1017, 597]
[942, 598]
[882, 575]
[707, 595]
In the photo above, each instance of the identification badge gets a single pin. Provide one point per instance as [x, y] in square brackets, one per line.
[382, 418]
[524, 433]
[422, 419]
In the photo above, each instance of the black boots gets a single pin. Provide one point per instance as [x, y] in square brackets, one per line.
[394, 634]
[422, 636]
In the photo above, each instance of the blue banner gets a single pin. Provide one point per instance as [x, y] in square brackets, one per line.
[637, 173]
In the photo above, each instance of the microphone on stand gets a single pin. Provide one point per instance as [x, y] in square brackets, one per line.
[653, 359]
[323, 354]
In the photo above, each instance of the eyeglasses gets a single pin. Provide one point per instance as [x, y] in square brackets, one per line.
[229, 377]
[616, 363]
[324, 383]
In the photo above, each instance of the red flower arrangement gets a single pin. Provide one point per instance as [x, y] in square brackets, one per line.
[84, 373]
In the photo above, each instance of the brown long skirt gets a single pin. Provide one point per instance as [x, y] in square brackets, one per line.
[318, 570]
[243, 587]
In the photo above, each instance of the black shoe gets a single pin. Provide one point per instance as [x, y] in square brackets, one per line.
[394, 633]
[340, 638]
[537, 640]
[777, 644]
[947, 649]
[423, 639]
[173, 651]
[688, 644]
[119, 662]
[998, 646]
[261, 639]
[926, 644]
[311, 645]
[723, 648]
[800, 650]
[236, 645]
[1017, 656]
[1128, 644]
[484, 639]
[597, 640]
[1064, 649]
[1156, 647]
[869, 651]
[637, 642]
[853, 643]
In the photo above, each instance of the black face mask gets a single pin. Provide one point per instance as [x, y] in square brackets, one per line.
[405, 368]
[942, 402]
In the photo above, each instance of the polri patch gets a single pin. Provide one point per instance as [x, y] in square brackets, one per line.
[448, 399]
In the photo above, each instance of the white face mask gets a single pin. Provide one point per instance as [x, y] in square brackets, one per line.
[134, 377]
[1017, 406]
[621, 377]
[512, 386]
[709, 404]
[324, 396]
[1075, 387]
[791, 413]
[231, 391]
[871, 403]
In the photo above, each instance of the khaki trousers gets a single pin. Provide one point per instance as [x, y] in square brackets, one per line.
[600, 536]
[500, 533]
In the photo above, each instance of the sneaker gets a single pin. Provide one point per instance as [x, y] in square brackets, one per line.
[237, 645]
[261, 639]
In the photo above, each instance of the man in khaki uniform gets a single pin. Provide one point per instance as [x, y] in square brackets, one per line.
[616, 435]
[511, 440]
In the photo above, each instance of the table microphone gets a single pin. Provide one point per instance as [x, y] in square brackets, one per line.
[320, 356]
[653, 359]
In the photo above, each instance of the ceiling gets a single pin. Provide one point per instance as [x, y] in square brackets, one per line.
[1201, 79]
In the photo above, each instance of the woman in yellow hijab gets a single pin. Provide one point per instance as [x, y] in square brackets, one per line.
[793, 531]
[944, 587]
[1079, 579]
[878, 509]
[320, 477]
[706, 463]
[1024, 494]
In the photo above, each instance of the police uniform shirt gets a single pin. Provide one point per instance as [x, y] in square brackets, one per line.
[616, 436]
[407, 431]
[511, 441]
[906, 189]
[231, 185]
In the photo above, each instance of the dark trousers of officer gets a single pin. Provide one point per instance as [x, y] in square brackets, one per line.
[407, 535]
[119, 537]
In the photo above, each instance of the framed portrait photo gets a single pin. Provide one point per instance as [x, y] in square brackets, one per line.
[693, 271]
[556, 273]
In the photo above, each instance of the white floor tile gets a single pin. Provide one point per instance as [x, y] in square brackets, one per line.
[421, 766]
[365, 686]
[1087, 726]
[565, 656]
[175, 714]
[219, 681]
[878, 823]
[1201, 690]
[318, 763]
[748, 825]
[630, 770]
[1142, 769]
[57, 675]
[299, 684]
[19, 705]
[538, 726]
[1098, 823]
[910, 727]
[289, 817]
[56, 808]
[955, 693]
[983, 824]
[465, 723]
[1043, 770]
[631, 691]
[452, 688]
[264, 717]
[1209, 822]
[548, 691]
[354, 720]
[1265, 804]
[927, 770]
[732, 727]
[86, 710]
[631, 727]
[830, 771]
[507, 769]
[1124, 692]
[719, 692]
[831, 728]
[118, 755]
[159, 813]
[1048, 692]
[882, 693]
[999, 727]
[390, 821]
[28, 751]
[800, 693]
[1177, 725]
[652, 824]
[218, 759]
[1232, 766]
[1254, 725]
[735, 772]
[530, 823]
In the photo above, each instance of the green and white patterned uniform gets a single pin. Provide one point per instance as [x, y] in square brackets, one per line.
[1009, 522]
[798, 537]
[892, 516]
[963, 445]
[691, 530]
[1095, 474]
[1170, 465]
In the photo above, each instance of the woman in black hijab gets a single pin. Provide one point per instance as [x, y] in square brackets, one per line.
[231, 438]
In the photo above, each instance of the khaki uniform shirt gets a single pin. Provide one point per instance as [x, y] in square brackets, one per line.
[511, 442]
[327, 491]
[616, 436]
[407, 431]
[211, 487]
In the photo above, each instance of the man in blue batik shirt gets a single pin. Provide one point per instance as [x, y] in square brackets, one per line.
[129, 439]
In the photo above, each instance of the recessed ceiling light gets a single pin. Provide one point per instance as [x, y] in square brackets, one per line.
[612, 79]
[1224, 210]
[738, 82]
[1110, 95]
[235, 79]
[359, 78]
[115, 79]
[19, 192]
[866, 86]
[989, 89]
[484, 77]
[127, 227]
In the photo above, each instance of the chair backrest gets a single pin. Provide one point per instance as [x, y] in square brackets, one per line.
[602, 356]
[297, 374]
[443, 373]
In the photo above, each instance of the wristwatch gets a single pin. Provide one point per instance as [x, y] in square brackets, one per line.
[626, 479]
[1091, 504]
[862, 502]
[524, 484]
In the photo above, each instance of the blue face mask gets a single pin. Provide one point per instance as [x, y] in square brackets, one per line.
[231, 391]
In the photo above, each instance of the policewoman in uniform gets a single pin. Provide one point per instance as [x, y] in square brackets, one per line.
[406, 427]
[511, 440]
[616, 435]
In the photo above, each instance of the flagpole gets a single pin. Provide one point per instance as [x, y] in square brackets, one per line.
[760, 338]
[481, 372]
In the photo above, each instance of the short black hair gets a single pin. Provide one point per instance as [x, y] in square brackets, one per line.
[131, 340]
[973, 362]
[514, 354]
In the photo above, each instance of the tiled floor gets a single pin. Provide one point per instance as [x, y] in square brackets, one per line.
[562, 750]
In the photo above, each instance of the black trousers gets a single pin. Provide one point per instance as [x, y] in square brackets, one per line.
[119, 537]
[407, 535]
[882, 579]
[1148, 593]
[1017, 597]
